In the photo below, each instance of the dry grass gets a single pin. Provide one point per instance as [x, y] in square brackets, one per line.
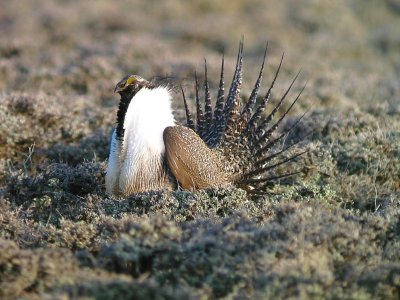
[331, 233]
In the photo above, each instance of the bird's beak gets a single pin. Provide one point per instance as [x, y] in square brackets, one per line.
[120, 86]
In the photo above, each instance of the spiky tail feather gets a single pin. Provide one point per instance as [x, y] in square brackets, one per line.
[244, 136]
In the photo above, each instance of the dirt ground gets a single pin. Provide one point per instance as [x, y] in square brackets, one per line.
[332, 232]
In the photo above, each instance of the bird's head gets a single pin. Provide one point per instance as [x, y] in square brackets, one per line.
[130, 85]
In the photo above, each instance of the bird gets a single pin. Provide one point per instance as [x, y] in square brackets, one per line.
[227, 144]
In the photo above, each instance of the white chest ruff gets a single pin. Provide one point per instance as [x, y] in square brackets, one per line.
[136, 163]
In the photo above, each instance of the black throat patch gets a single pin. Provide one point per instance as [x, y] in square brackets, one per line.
[122, 108]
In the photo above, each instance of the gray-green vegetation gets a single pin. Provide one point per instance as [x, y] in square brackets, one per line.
[332, 232]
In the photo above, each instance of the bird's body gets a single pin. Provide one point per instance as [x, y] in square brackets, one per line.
[228, 145]
[193, 163]
[136, 162]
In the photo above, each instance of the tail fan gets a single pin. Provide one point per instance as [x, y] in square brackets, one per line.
[243, 135]
[189, 118]
[232, 106]
[200, 116]
[207, 99]
[248, 109]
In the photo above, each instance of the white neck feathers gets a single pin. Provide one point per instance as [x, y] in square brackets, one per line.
[148, 114]
[135, 164]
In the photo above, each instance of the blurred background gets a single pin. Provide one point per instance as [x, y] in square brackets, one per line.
[348, 50]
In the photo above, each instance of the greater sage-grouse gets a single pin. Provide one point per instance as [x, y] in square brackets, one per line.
[229, 144]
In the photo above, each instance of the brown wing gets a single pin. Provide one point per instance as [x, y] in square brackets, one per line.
[193, 164]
